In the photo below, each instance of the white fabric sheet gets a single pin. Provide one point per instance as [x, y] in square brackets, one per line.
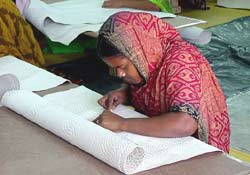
[65, 114]
[83, 101]
[89, 12]
[64, 21]
[31, 77]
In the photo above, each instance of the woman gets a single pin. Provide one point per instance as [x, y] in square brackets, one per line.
[168, 79]
[16, 35]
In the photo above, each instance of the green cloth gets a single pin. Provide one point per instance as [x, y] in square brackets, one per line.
[164, 5]
[78, 46]
[229, 55]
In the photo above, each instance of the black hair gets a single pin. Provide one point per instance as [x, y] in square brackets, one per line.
[105, 48]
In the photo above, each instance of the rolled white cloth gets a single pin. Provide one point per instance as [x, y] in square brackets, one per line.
[8, 82]
[196, 35]
[127, 152]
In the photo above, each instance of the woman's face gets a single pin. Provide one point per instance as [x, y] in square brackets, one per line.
[125, 69]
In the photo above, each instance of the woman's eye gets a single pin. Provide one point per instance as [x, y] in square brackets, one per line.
[121, 67]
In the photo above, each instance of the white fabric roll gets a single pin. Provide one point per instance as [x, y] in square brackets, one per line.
[157, 151]
[8, 82]
[122, 154]
[127, 152]
[196, 35]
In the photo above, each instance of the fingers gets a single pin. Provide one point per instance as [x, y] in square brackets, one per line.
[109, 120]
[108, 102]
[112, 102]
[102, 117]
[103, 101]
[117, 102]
[98, 120]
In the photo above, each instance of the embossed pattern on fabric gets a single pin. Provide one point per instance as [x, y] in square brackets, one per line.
[129, 153]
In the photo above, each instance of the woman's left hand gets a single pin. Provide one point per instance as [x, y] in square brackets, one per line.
[110, 121]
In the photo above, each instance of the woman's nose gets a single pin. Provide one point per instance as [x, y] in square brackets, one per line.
[120, 73]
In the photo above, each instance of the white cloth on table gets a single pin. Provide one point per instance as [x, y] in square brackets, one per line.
[64, 21]
[127, 152]
[30, 77]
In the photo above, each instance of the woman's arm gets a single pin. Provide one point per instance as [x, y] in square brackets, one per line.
[172, 124]
[136, 4]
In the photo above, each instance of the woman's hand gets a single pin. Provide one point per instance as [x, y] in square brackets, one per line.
[113, 98]
[171, 124]
[110, 121]
[112, 4]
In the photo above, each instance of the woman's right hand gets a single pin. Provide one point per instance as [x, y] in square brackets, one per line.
[113, 99]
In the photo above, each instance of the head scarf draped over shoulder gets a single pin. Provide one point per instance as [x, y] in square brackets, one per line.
[141, 37]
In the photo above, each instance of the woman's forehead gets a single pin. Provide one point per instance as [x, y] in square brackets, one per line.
[116, 60]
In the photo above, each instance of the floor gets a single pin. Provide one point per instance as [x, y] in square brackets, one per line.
[215, 15]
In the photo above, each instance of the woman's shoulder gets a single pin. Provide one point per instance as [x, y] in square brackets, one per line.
[183, 52]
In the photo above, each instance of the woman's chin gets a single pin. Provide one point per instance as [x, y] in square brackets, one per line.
[129, 81]
[133, 82]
